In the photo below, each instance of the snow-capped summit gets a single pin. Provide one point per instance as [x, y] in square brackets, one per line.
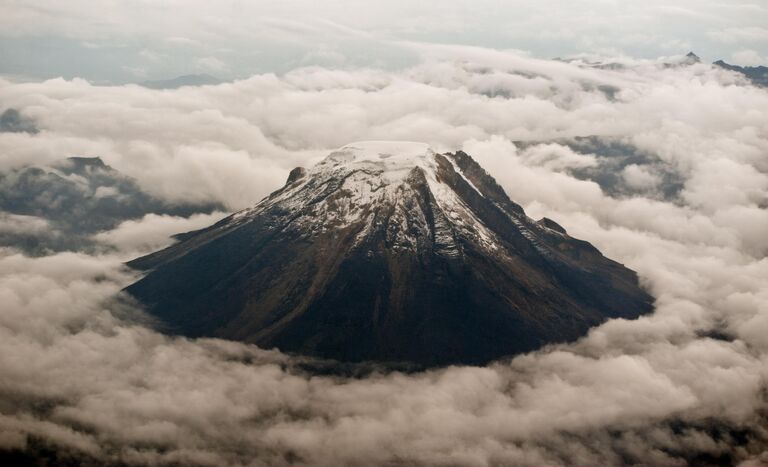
[391, 153]
[393, 159]
[387, 251]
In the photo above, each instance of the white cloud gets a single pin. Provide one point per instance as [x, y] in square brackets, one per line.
[21, 224]
[79, 372]
[153, 232]
[557, 157]
[640, 178]
[748, 57]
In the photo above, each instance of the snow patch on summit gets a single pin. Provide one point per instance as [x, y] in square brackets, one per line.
[392, 160]
[392, 153]
[354, 184]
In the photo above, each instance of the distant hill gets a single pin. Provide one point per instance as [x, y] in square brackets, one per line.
[59, 207]
[181, 81]
[757, 74]
[12, 121]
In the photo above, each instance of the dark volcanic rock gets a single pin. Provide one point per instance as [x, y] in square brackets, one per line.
[388, 252]
[296, 174]
[550, 224]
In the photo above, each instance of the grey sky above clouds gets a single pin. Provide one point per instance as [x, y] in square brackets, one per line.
[134, 41]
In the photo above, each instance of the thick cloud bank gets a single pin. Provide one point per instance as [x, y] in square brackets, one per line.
[82, 378]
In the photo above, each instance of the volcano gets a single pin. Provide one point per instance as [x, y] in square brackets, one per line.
[387, 252]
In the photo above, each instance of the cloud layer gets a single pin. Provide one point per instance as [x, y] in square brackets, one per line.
[81, 373]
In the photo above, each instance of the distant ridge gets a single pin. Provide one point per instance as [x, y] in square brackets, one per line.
[181, 81]
[758, 75]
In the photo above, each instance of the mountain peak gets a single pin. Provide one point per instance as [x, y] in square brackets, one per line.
[691, 59]
[373, 171]
[383, 150]
[386, 155]
[387, 251]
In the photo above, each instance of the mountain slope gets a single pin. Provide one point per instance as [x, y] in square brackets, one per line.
[387, 251]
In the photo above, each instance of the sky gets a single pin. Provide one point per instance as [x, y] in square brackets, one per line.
[132, 41]
[82, 373]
